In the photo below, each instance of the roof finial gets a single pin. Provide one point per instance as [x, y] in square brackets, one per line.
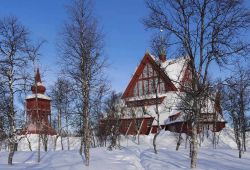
[38, 77]
[147, 51]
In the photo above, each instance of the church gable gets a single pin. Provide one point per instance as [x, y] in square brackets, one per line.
[148, 81]
[147, 77]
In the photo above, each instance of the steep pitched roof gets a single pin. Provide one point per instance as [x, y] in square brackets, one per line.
[175, 69]
[171, 71]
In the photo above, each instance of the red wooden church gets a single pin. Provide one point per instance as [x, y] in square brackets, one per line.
[167, 76]
[38, 110]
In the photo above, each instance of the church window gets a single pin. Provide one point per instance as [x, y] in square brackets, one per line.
[140, 76]
[146, 87]
[135, 90]
[151, 86]
[150, 71]
[162, 87]
[140, 88]
[145, 72]
[148, 82]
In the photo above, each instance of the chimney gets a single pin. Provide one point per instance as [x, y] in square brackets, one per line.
[162, 57]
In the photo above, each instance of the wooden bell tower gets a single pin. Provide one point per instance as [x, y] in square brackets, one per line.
[38, 110]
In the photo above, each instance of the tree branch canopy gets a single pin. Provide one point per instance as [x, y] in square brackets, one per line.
[207, 30]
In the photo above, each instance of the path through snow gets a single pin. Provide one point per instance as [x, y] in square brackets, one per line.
[129, 158]
[133, 156]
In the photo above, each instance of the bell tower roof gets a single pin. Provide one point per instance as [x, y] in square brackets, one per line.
[38, 87]
[38, 77]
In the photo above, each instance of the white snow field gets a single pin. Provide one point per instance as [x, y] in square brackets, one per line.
[132, 156]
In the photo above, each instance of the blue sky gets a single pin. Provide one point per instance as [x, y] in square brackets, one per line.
[126, 39]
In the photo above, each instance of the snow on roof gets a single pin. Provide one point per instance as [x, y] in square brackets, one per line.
[163, 117]
[181, 117]
[39, 96]
[165, 108]
[174, 112]
[39, 84]
[148, 96]
[171, 106]
[174, 68]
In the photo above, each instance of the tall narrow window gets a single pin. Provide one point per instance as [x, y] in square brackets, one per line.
[156, 84]
[162, 87]
[135, 90]
[151, 86]
[140, 76]
[145, 72]
[140, 88]
[150, 71]
[145, 86]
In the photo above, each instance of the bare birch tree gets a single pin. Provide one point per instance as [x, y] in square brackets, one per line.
[81, 55]
[159, 44]
[97, 110]
[3, 113]
[113, 109]
[13, 59]
[62, 98]
[206, 31]
[236, 103]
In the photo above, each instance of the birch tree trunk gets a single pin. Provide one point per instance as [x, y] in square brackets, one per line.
[67, 128]
[86, 124]
[81, 46]
[39, 148]
[55, 142]
[194, 147]
[12, 140]
[157, 133]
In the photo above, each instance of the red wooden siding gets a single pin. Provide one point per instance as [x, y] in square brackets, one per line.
[184, 127]
[131, 126]
[40, 104]
[146, 125]
[145, 102]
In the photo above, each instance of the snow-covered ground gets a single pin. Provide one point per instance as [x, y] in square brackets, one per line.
[132, 156]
